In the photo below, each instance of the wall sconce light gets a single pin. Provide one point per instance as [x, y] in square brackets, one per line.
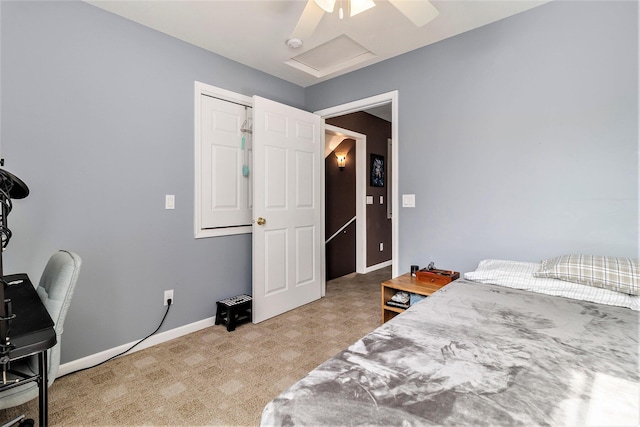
[342, 160]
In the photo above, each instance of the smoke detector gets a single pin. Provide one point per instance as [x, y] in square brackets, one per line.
[294, 43]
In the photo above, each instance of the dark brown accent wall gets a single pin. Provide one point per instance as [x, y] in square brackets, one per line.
[378, 131]
[340, 207]
[341, 253]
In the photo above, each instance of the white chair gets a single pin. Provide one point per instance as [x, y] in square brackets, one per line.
[55, 289]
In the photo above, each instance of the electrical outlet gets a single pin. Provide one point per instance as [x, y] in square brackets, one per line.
[168, 295]
[381, 246]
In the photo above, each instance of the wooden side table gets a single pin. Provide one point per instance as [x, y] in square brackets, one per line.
[405, 283]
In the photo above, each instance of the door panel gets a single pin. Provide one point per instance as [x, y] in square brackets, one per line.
[275, 177]
[224, 192]
[305, 246]
[287, 194]
[305, 190]
[275, 249]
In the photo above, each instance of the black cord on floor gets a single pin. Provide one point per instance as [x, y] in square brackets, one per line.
[127, 350]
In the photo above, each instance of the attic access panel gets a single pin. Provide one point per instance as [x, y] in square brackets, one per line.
[335, 55]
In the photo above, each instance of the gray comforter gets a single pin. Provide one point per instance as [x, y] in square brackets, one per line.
[474, 354]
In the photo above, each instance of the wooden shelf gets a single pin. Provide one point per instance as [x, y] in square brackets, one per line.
[404, 283]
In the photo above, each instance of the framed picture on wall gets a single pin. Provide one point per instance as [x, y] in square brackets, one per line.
[377, 171]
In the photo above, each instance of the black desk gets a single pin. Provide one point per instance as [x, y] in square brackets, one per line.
[31, 333]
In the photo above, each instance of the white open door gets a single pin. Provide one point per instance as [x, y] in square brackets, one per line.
[287, 230]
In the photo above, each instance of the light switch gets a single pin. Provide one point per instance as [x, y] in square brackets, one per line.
[369, 200]
[382, 200]
[169, 201]
[408, 200]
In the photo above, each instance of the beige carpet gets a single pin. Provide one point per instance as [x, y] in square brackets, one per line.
[215, 377]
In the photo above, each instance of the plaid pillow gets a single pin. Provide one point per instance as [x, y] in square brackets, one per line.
[615, 274]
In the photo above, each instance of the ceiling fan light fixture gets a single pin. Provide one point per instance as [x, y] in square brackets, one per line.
[418, 12]
[359, 6]
[326, 5]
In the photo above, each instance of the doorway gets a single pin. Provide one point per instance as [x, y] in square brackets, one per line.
[390, 98]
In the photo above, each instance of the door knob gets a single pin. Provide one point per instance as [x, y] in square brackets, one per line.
[261, 221]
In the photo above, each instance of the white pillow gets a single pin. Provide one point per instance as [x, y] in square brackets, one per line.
[519, 275]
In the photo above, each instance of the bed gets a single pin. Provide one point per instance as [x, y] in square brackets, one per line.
[487, 349]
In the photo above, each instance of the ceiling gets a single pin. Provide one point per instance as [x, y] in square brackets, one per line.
[254, 32]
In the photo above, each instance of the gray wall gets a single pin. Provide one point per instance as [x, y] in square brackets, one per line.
[97, 118]
[519, 139]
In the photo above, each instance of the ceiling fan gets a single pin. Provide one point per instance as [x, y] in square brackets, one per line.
[420, 12]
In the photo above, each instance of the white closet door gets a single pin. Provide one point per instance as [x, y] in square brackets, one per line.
[288, 245]
[226, 193]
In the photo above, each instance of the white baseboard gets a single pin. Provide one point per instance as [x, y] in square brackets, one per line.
[165, 336]
[379, 266]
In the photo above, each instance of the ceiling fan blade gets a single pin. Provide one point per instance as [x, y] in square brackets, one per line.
[420, 12]
[309, 20]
